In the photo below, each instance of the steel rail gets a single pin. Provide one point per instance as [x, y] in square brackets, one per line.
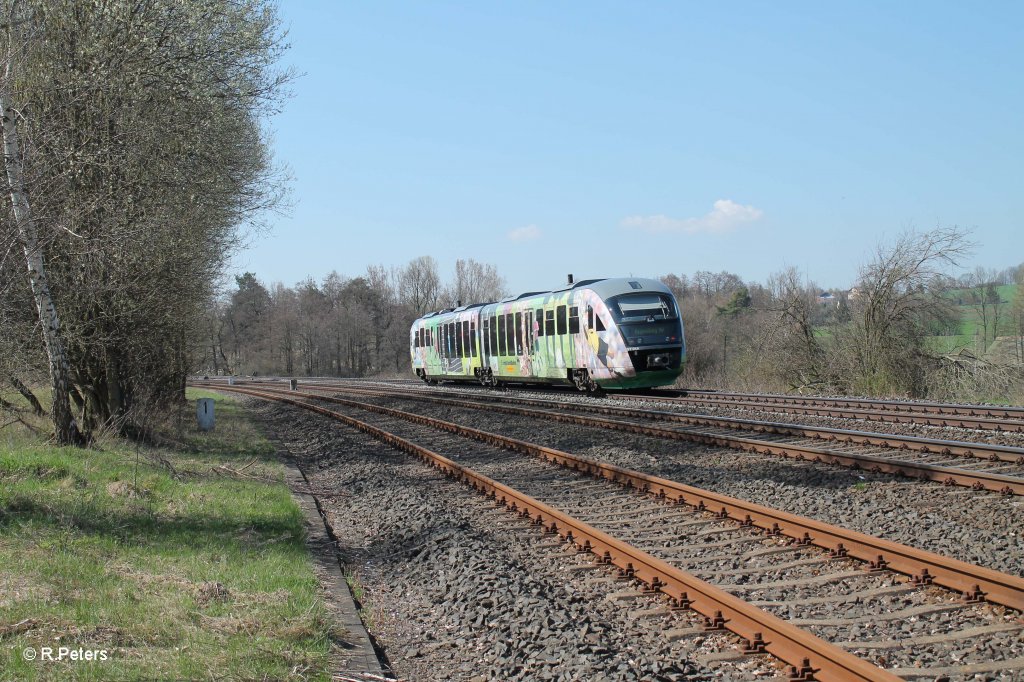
[976, 583]
[976, 480]
[953, 409]
[935, 446]
[823, 409]
[811, 657]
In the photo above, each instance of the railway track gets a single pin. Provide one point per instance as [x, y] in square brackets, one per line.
[670, 536]
[1005, 418]
[980, 466]
[980, 417]
[985, 417]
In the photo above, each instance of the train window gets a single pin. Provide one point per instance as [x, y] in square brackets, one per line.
[562, 327]
[442, 341]
[453, 343]
[549, 322]
[485, 336]
[465, 339]
[501, 334]
[430, 337]
[510, 334]
[540, 322]
[590, 317]
[472, 338]
[460, 341]
[599, 324]
[494, 335]
[574, 320]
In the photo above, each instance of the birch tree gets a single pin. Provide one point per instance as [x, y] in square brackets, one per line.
[65, 429]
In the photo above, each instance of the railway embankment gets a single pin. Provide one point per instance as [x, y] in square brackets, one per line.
[186, 560]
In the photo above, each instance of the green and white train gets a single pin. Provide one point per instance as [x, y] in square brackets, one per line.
[596, 334]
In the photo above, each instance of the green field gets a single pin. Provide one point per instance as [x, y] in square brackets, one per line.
[174, 568]
[968, 335]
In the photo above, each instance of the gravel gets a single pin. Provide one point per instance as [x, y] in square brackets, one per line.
[978, 527]
[453, 588]
[780, 576]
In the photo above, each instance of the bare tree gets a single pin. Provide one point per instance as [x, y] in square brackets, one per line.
[787, 343]
[984, 298]
[901, 297]
[475, 283]
[420, 285]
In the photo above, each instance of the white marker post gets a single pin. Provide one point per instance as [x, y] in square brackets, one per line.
[204, 414]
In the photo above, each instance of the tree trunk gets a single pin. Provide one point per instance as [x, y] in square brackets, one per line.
[28, 395]
[65, 430]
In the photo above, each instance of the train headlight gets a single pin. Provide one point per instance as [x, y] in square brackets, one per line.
[659, 360]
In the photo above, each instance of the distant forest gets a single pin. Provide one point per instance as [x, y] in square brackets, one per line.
[905, 327]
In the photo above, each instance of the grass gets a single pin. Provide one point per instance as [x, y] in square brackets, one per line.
[969, 329]
[355, 586]
[175, 571]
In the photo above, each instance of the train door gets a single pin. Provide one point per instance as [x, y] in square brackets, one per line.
[550, 355]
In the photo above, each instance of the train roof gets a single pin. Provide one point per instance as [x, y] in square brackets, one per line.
[606, 288]
[603, 287]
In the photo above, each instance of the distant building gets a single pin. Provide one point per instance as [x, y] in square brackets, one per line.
[826, 297]
[854, 294]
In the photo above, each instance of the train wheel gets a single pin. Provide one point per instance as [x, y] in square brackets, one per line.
[581, 378]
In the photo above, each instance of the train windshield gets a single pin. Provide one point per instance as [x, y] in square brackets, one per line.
[647, 319]
[646, 307]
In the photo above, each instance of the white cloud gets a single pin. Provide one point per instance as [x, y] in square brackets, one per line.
[524, 234]
[725, 216]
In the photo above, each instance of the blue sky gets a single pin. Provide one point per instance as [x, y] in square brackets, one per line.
[611, 139]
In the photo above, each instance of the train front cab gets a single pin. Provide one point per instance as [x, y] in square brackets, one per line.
[647, 321]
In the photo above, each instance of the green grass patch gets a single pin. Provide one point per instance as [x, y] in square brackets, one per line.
[153, 555]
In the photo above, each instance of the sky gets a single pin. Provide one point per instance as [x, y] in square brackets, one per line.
[644, 138]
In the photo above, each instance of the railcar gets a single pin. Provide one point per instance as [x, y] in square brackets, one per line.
[596, 334]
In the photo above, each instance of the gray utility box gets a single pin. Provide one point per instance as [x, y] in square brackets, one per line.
[204, 414]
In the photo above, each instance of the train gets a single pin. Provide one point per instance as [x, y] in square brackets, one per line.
[595, 334]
